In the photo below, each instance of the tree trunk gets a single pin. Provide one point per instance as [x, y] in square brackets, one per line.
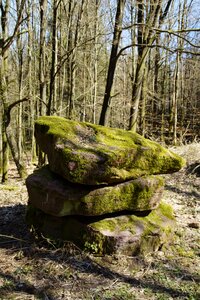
[42, 59]
[3, 88]
[137, 83]
[143, 104]
[54, 53]
[20, 89]
[113, 59]
[5, 151]
[95, 68]
[72, 61]
[30, 80]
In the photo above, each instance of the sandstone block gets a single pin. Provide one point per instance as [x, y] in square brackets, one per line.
[59, 197]
[126, 234]
[92, 154]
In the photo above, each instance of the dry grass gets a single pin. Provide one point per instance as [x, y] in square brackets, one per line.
[38, 269]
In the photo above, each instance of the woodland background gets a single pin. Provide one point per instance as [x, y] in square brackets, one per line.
[130, 64]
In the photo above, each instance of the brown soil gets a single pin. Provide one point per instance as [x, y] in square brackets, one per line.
[32, 268]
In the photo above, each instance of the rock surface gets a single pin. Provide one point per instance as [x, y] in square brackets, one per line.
[57, 196]
[91, 154]
[127, 234]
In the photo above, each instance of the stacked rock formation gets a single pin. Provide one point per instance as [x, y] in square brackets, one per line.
[101, 189]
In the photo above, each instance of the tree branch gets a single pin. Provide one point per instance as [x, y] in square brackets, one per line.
[157, 29]
[19, 21]
[159, 46]
[10, 107]
[178, 35]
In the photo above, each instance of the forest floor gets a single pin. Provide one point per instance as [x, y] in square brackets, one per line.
[35, 269]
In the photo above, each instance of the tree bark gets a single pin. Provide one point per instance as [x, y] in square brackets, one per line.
[113, 59]
[42, 59]
[54, 53]
[4, 86]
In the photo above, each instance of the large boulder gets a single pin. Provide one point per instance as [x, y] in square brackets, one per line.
[91, 154]
[59, 197]
[127, 234]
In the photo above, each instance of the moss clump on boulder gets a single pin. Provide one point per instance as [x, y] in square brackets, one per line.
[127, 234]
[57, 196]
[100, 190]
[92, 154]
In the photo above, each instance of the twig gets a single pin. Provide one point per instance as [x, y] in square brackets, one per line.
[12, 237]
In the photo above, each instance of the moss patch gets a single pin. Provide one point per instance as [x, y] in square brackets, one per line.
[92, 154]
[56, 196]
[128, 234]
[8, 187]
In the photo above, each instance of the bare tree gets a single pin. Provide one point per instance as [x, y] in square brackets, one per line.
[54, 54]
[113, 59]
[42, 57]
[146, 38]
[6, 42]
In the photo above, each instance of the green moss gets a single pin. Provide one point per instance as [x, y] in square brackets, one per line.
[128, 196]
[8, 187]
[70, 208]
[155, 229]
[128, 234]
[77, 165]
[94, 154]
[184, 252]
[54, 125]
[134, 195]
[92, 247]
[154, 219]
[65, 198]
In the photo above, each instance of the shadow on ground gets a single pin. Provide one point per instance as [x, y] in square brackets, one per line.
[184, 193]
[15, 238]
[13, 228]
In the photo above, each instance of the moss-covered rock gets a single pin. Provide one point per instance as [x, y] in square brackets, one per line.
[127, 234]
[57, 196]
[91, 154]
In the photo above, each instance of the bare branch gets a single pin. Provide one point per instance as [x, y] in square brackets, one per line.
[178, 35]
[162, 30]
[159, 46]
[19, 21]
[10, 107]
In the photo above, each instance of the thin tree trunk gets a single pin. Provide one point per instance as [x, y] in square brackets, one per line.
[143, 106]
[137, 83]
[30, 81]
[163, 97]
[20, 96]
[175, 100]
[95, 69]
[54, 53]
[3, 88]
[113, 59]
[42, 59]
[69, 61]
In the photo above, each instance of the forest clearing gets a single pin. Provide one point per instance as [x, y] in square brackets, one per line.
[129, 65]
[38, 269]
